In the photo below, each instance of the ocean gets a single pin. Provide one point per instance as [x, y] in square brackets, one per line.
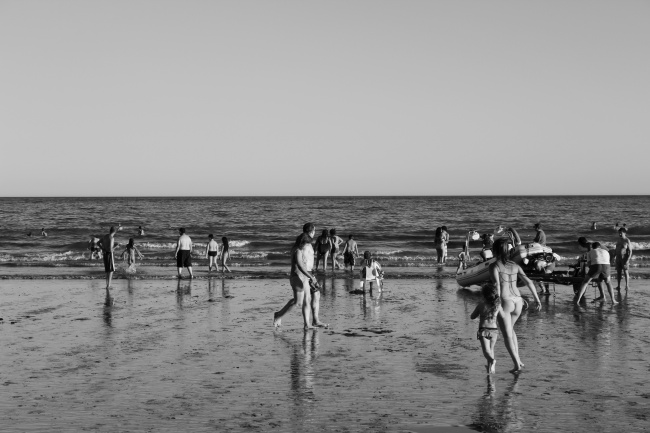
[399, 231]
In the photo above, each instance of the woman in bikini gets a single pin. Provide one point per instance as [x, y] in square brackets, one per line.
[323, 248]
[504, 274]
[336, 245]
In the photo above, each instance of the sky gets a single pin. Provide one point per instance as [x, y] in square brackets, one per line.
[240, 98]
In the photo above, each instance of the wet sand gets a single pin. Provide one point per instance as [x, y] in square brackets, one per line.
[202, 355]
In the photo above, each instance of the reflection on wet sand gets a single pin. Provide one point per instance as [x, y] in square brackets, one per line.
[302, 357]
[170, 357]
[499, 414]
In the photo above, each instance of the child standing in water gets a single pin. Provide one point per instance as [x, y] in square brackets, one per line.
[211, 253]
[130, 250]
[370, 271]
[463, 259]
[487, 328]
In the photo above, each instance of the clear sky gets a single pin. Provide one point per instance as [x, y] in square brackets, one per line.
[324, 98]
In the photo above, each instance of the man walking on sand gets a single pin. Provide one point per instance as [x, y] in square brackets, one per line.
[183, 253]
[107, 244]
[623, 256]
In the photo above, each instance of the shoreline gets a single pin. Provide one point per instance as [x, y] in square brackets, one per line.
[145, 272]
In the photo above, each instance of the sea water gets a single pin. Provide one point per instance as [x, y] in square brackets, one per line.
[399, 231]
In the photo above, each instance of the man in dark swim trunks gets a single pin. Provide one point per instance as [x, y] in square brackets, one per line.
[107, 244]
[350, 252]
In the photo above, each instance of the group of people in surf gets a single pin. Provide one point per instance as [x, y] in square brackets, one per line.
[305, 287]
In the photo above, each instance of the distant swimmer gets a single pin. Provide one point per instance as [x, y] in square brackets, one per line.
[43, 232]
[623, 257]
[225, 254]
[487, 334]
[594, 226]
[350, 252]
[29, 234]
[306, 291]
[107, 244]
[598, 262]
[212, 253]
[140, 231]
[616, 227]
[130, 251]
[336, 245]
[183, 253]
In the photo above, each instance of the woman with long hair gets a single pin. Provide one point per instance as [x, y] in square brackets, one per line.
[225, 254]
[504, 274]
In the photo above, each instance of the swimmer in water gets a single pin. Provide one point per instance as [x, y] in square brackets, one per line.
[487, 334]
[623, 257]
[43, 232]
[594, 226]
[140, 231]
[212, 253]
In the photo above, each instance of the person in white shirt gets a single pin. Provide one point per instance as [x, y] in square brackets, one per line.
[598, 262]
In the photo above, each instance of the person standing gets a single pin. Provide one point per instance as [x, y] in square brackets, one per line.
[323, 248]
[212, 252]
[336, 245]
[225, 254]
[350, 252]
[439, 243]
[130, 251]
[623, 257]
[540, 237]
[598, 261]
[306, 292]
[183, 253]
[504, 274]
[43, 233]
[107, 244]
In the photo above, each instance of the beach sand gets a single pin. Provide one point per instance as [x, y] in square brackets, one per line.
[202, 355]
